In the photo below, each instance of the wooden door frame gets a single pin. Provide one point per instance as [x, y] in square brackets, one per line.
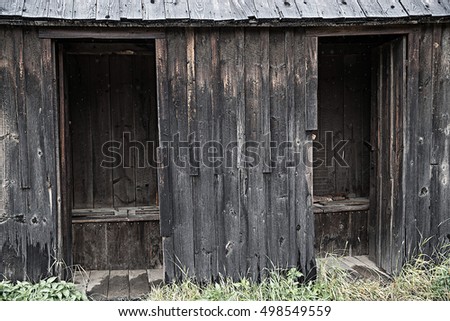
[411, 35]
[57, 36]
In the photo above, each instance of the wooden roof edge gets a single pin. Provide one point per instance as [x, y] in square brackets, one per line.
[305, 22]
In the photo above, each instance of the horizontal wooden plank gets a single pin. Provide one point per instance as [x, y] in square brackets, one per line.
[56, 33]
[108, 215]
[109, 48]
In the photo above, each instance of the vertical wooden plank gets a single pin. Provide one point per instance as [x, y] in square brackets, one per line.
[218, 267]
[230, 203]
[276, 184]
[85, 9]
[13, 244]
[164, 175]
[440, 217]
[98, 285]
[154, 9]
[153, 245]
[12, 8]
[301, 204]
[124, 176]
[183, 205]
[177, 9]
[240, 135]
[36, 8]
[41, 152]
[119, 285]
[311, 44]
[417, 79]
[194, 151]
[101, 131]
[139, 287]
[66, 182]
[118, 249]
[80, 91]
[292, 76]
[255, 199]
[131, 9]
[2, 162]
[398, 99]
[138, 245]
[90, 245]
[145, 129]
[22, 112]
[205, 249]
[61, 9]
[373, 212]
[108, 10]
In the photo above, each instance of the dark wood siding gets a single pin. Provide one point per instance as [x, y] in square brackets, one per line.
[28, 236]
[427, 141]
[238, 86]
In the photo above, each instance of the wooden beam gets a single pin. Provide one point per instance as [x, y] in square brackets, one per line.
[129, 34]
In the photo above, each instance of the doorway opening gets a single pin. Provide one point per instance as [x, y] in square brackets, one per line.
[361, 88]
[109, 135]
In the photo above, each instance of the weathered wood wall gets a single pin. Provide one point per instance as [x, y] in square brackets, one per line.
[27, 80]
[117, 245]
[427, 140]
[341, 233]
[238, 85]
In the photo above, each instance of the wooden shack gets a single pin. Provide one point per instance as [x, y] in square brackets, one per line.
[209, 137]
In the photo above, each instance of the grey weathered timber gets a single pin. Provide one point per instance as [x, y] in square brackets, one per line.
[220, 11]
[108, 10]
[85, 9]
[153, 10]
[60, 9]
[118, 287]
[417, 7]
[229, 212]
[11, 7]
[440, 218]
[131, 9]
[350, 9]
[29, 252]
[311, 82]
[36, 8]
[177, 9]
[138, 282]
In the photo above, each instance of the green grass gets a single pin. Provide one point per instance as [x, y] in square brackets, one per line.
[45, 290]
[420, 280]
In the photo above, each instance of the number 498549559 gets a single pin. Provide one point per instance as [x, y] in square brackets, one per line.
[303, 310]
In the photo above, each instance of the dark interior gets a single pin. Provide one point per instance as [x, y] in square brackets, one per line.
[111, 98]
[347, 92]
